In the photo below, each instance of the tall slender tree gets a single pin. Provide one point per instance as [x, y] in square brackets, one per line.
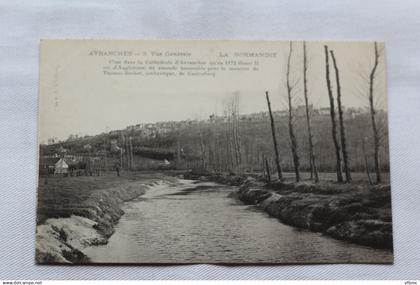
[267, 167]
[232, 128]
[362, 139]
[312, 163]
[202, 148]
[341, 121]
[273, 133]
[376, 137]
[235, 130]
[178, 148]
[123, 150]
[293, 142]
[130, 148]
[105, 156]
[333, 120]
[127, 152]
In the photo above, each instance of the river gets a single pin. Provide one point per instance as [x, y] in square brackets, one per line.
[200, 223]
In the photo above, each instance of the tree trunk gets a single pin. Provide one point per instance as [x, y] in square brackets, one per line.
[235, 132]
[264, 173]
[105, 157]
[293, 142]
[126, 151]
[218, 148]
[365, 160]
[376, 139]
[273, 132]
[178, 150]
[130, 146]
[341, 121]
[123, 151]
[333, 121]
[314, 170]
[228, 156]
[121, 158]
[268, 171]
[203, 151]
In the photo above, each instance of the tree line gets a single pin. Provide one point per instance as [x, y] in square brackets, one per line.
[339, 140]
[228, 145]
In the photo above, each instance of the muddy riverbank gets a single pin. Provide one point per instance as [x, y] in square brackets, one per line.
[358, 213]
[200, 222]
[82, 212]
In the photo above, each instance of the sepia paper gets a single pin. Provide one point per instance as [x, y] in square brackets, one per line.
[213, 152]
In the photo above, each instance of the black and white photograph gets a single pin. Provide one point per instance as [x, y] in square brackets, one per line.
[213, 151]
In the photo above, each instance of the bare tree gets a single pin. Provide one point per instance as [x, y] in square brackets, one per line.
[369, 89]
[202, 149]
[123, 159]
[229, 161]
[333, 120]
[314, 170]
[233, 136]
[362, 139]
[126, 151]
[376, 137]
[121, 150]
[261, 160]
[267, 166]
[235, 130]
[293, 142]
[217, 145]
[341, 121]
[130, 147]
[105, 156]
[273, 132]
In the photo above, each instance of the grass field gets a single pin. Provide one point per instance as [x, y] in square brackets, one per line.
[358, 177]
[63, 196]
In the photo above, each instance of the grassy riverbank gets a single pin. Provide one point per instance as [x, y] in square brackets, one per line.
[74, 212]
[355, 212]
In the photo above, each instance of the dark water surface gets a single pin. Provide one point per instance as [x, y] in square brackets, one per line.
[199, 223]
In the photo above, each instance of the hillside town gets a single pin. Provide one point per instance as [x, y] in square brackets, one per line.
[153, 129]
[126, 148]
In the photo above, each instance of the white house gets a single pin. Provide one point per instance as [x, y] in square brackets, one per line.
[61, 167]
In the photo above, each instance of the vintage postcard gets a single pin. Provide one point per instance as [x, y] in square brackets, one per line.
[233, 152]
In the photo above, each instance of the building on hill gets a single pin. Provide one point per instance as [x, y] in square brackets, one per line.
[281, 113]
[52, 141]
[300, 110]
[61, 167]
[47, 165]
[53, 165]
[114, 133]
[324, 111]
[135, 128]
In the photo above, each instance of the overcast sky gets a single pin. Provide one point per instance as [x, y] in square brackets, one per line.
[77, 98]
